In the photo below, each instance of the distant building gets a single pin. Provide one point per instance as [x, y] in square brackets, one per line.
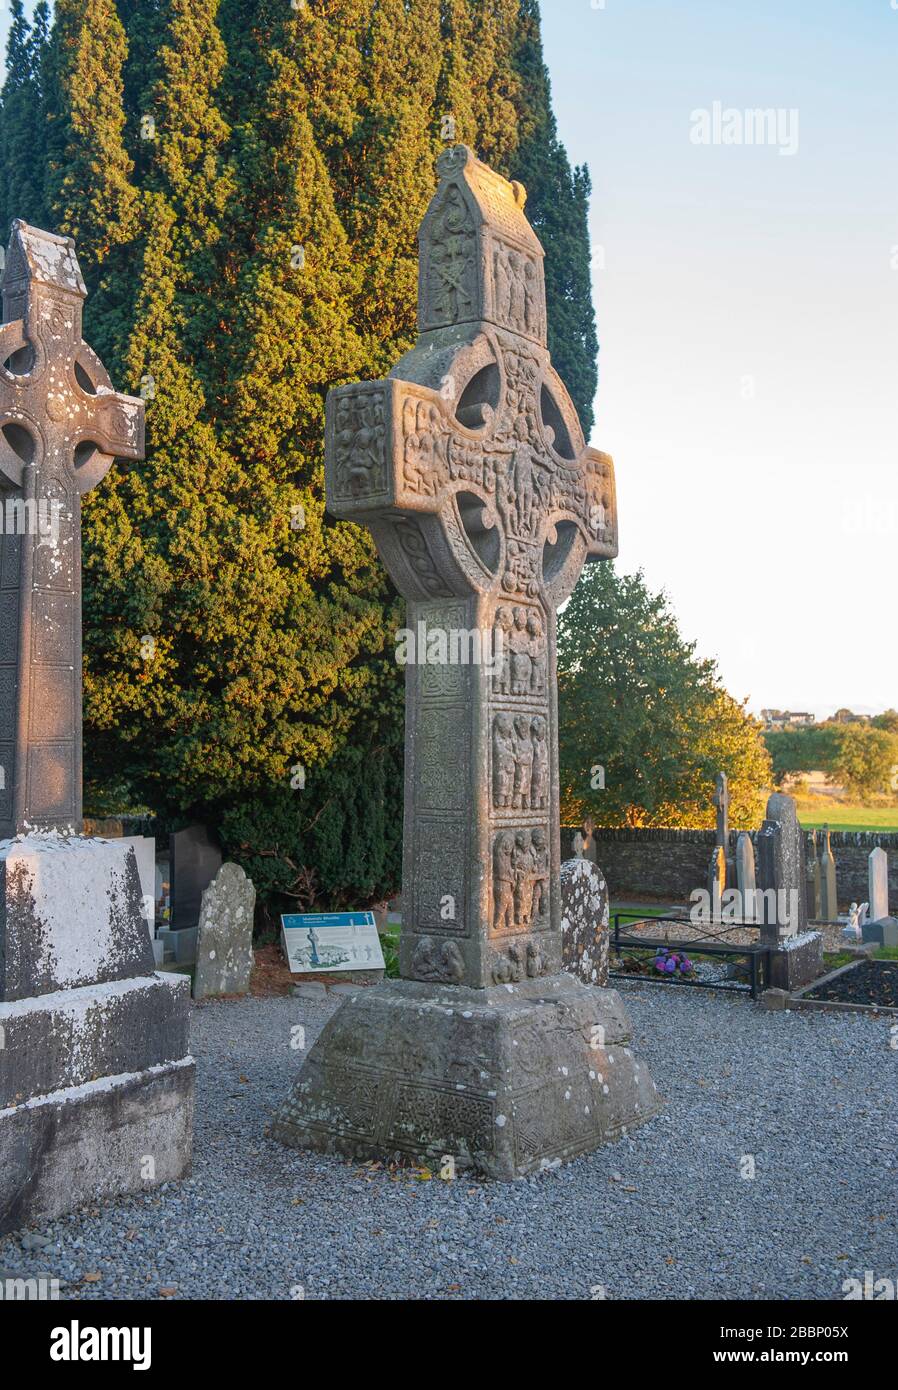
[786, 719]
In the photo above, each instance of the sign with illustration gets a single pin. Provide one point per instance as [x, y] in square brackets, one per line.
[315, 942]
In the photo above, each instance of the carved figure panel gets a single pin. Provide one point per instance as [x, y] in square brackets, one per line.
[359, 446]
[519, 632]
[520, 880]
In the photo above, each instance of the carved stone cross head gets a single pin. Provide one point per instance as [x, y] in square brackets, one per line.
[469, 466]
[468, 462]
[61, 426]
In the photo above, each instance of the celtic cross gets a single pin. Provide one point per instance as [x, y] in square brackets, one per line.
[61, 426]
[469, 466]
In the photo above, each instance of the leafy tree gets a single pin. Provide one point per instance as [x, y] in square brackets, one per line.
[641, 713]
[860, 757]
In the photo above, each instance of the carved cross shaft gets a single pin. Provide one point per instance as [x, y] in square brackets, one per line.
[469, 466]
[61, 425]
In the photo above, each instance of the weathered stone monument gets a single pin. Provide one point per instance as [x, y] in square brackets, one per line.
[224, 955]
[796, 954]
[584, 921]
[880, 928]
[746, 879]
[96, 1084]
[815, 900]
[469, 466]
[722, 867]
[829, 901]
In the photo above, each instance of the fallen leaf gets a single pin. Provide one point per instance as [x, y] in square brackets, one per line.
[169, 1291]
[93, 1278]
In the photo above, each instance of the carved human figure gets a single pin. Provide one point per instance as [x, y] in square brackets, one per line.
[523, 760]
[517, 312]
[503, 284]
[531, 297]
[540, 853]
[523, 864]
[535, 960]
[521, 661]
[537, 654]
[504, 761]
[502, 639]
[503, 882]
[539, 780]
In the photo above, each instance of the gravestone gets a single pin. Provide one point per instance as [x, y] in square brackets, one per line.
[796, 954]
[878, 882]
[469, 467]
[815, 899]
[745, 877]
[829, 903]
[717, 880]
[96, 1082]
[224, 951]
[194, 860]
[584, 921]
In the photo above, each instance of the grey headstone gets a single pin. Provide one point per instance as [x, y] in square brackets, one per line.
[815, 892]
[717, 878]
[781, 871]
[224, 953]
[881, 933]
[469, 466]
[195, 859]
[745, 876]
[584, 921]
[829, 901]
[878, 878]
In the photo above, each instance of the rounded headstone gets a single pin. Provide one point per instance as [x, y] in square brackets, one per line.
[584, 921]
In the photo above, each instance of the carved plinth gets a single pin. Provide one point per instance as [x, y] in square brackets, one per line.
[505, 1080]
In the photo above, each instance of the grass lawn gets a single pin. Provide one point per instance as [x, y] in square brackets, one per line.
[816, 811]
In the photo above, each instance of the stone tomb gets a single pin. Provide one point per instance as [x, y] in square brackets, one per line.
[96, 1083]
[468, 465]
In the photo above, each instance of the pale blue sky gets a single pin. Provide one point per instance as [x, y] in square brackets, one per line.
[747, 315]
[772, 521]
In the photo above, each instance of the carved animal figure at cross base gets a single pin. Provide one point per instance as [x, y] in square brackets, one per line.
[469, 466]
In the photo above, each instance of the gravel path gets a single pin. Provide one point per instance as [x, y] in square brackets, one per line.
[664, 1213]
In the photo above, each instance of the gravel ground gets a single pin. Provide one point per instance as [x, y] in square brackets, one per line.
[663, 1213]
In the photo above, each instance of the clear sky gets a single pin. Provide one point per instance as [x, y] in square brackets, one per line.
[748, 316]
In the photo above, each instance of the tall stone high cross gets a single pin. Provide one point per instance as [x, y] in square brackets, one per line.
[470, 468]
[61, 426]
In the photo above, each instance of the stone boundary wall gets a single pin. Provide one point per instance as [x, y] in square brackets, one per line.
[671, 863]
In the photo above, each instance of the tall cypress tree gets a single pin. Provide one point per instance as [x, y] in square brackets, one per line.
[21, 120]
[558, 208]
[245, 184]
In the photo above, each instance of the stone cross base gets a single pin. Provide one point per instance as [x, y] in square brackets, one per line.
[96, 1080]
[505, 1081]
[796, 961]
